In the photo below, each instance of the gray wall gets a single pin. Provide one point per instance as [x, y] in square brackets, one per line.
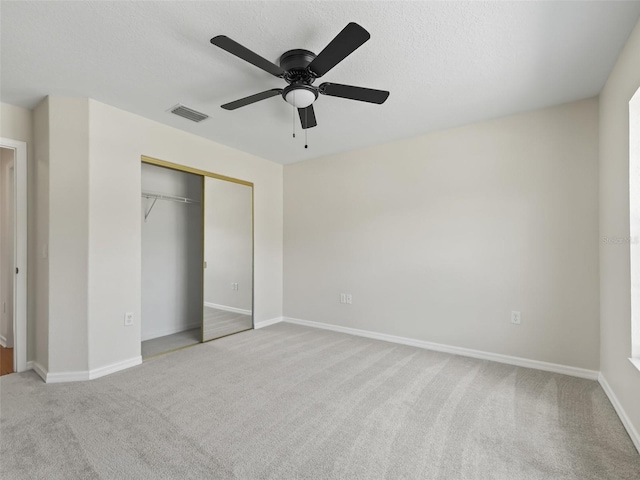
[440, 237]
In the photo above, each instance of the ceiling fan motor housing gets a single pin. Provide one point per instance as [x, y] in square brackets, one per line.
[295, 62]
[298, 76]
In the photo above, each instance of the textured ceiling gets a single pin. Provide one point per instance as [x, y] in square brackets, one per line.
[445, 63]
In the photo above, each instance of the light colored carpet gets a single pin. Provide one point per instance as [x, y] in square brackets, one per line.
[291, 402]
[159, 345]
[218, 323]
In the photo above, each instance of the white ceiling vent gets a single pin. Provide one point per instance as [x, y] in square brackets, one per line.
[188, 113]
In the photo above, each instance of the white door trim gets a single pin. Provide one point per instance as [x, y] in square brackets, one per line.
[20, 250]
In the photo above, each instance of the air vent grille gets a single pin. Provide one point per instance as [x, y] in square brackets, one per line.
[188, 113]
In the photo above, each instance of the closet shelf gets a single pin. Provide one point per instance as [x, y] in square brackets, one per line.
[161, 196]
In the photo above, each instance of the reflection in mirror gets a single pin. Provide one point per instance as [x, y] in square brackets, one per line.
[228, 257]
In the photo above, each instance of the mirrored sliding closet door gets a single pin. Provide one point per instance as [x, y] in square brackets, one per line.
[228, 258]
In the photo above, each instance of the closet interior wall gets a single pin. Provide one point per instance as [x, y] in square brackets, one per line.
[171, 253]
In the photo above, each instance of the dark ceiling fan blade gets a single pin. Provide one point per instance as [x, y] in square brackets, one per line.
[354, 93]
[307, 117]
[345, 43]
[252, 99]
[247, 55]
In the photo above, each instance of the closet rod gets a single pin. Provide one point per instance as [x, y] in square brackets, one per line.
[162, 196]
[173, 198]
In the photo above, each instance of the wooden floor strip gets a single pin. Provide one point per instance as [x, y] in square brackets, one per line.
[6, 360]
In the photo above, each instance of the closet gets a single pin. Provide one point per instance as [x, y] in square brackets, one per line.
[197, 256]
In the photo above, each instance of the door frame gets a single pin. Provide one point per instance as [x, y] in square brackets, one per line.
[20, 252]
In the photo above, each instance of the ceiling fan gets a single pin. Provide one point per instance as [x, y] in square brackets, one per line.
[300, 68]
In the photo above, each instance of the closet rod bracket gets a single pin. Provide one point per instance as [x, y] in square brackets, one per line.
[150, 208]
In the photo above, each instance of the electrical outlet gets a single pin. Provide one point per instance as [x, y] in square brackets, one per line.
[128, 319]
[349, 298]
[516, 318]
[343, 298]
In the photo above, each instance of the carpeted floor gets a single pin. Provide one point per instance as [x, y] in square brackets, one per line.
[291, 402]
[168, 343]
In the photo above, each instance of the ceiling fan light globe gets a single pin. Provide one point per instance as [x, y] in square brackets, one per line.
[300, 97]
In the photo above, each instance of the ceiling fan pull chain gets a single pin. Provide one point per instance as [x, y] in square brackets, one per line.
[293, 116]
[306, 129]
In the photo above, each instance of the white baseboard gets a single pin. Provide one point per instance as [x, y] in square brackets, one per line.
[227, 308]
[79, 376]
[63, 377]
[633, 433]
[266, 323]
[39, 369]
[170, 331]
[466, 352]
[114, 367]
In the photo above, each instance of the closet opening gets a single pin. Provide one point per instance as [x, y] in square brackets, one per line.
[197, 256]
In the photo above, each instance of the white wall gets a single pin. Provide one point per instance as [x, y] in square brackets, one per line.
[615, 283]
[228, 244]
[171, 253]
[68, 233]
[440, 237]
[7, 263]
[117, 141]
[40, 256]
[17, 124]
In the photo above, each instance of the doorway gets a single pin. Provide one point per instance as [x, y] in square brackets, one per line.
[7, 263]
[13, 256]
